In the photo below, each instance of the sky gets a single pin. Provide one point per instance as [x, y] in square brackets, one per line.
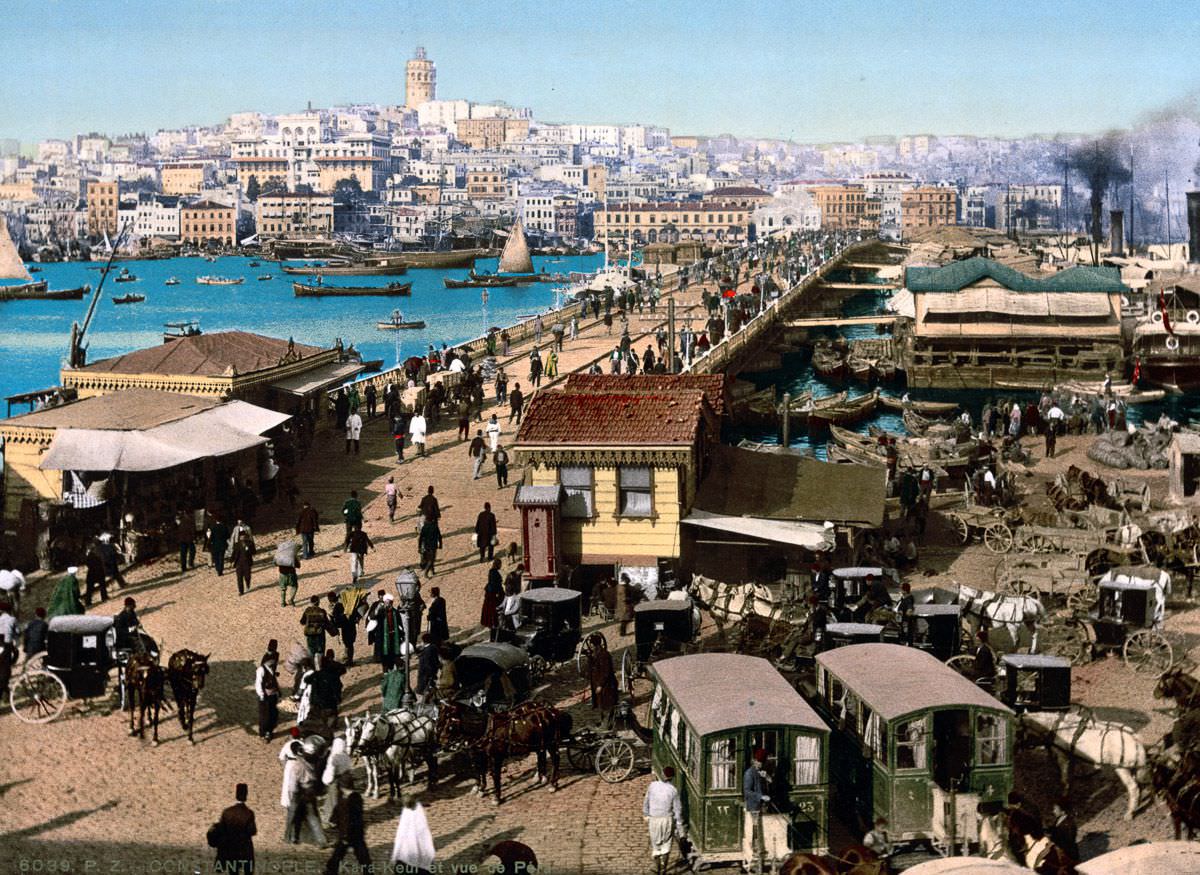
[808, 70]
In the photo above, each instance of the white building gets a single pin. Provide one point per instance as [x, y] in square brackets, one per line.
[443, 114]
[536, 210]
[53, 151]
[796, 211]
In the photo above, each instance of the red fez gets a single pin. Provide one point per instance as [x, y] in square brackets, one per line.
[294, 732]
[760, 755]
[668, 773]
[130, 603]
[41, 612]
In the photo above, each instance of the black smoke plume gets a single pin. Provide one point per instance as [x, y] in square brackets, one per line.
[1101, 165]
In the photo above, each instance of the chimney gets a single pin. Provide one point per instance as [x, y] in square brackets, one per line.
[1193, 210]
[1116, 232]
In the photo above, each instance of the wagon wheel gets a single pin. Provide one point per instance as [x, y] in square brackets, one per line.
[1148, 652]
[37, 662]
[959, 524]
[628, 670]
[1080, 601]
[537, 668]
[581, 662]
[579, 752]
[614, 760]
[1069, 639]
[38, 696]
[998, 537]
[1033, 542]
[964, 664]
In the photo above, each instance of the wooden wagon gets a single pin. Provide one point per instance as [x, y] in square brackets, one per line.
[1051, 577]
[914, 742]
[709, 713]
[994, 526]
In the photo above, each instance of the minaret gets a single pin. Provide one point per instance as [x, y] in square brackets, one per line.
[421, 80]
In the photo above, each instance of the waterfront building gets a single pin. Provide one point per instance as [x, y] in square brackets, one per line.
[103, 202]
[294, 214]
[208, 221]
[157, 216]
[927, 206]
[842, 205]
[980, 324]
[186, 177]
[1028, 206]
[420, 80]
[748, 196]
[307, 152]
[669, 221]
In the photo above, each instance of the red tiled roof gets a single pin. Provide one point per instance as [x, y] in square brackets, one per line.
[738, 191]
[206, 355]
[612, 419]
[712, 385]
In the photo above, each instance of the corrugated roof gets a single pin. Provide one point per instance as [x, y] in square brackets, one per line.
[721, 691]
[959, 274]
[712, 385]
[896, 680]
[205, 355]
[127, 410]
[612, 419]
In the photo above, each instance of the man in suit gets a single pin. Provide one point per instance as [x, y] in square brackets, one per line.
[233, 836]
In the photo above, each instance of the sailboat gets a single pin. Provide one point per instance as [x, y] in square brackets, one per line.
[12, 268]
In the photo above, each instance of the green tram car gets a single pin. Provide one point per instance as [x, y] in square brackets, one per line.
[710, 712]
[914, 742]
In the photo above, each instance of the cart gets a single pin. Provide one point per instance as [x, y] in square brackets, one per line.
[1128, 617]
[661, 627]
[992, 525]
[849, 585]
[1051, 578]
[1061, 539]
[1036, 682]
[79, 658]
[549, 630]
[614, 754]
[492, 676]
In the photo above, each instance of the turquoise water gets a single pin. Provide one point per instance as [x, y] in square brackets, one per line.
[34, 334]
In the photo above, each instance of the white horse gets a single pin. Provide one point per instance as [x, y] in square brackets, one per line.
[733, 601]
[1008, 611]
[391, 743]
[1071, 736]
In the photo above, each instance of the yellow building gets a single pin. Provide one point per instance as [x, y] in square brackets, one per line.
[420, 80]
[483, 185]
[294, 214]
[927, 206]
[843, 206]
[671, 221]
[207, 221]
[184, 177]
[102, 202]
[489, 133]
[597, 181]
[629, 460]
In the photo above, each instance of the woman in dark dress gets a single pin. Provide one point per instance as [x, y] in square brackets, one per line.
[493, 594]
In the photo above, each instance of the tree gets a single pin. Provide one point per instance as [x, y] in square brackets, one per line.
[253, 189]
[304, 188]
[273, 185]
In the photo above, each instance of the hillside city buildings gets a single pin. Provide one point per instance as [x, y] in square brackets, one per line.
[413, 173]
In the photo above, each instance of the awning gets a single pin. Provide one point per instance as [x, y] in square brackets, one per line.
[810, 536]
[318, 378]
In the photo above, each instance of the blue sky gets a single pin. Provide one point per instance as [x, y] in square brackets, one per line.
[811, 71]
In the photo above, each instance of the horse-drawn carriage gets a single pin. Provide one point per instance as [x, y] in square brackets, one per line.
[80, 655]
[914, 742]
[1050, 577]
[1036, 682]
[1129, 616]
[848, 587]
[661, 627]
[492, 676]
[550, 627]
[710, 712]
[994, 526]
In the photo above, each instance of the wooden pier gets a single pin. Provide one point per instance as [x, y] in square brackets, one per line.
[838, 321]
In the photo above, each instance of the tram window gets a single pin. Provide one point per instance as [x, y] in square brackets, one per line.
[910, 744]
[768, 740]
[722, 764]
[835, 693]
[873, 734]
[848, 712]
[693, 755]
[807, 768]
[989, 740]
[681, 738]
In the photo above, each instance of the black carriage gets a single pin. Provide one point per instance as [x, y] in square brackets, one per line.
[80, 655]
[1036, 682]
[661, 627]
[1128, 618]
[843, 634]
[550, 624]
[492, 676]
[937, 629]
[849, 585]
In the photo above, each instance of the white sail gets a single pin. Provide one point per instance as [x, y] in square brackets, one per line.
[11, 266]
[515, 257]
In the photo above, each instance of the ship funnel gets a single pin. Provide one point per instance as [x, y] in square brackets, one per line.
[1116, 232]
[1193, 213]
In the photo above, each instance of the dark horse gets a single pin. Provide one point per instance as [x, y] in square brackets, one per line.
[490, 739]
[855, 860]
[186, 672]
[1041, 855]
[144, 691]
[1178, 782]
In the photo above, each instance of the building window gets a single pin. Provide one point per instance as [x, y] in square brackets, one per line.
[807, 767]
[578, 482]
[634, 492]
[722, 764]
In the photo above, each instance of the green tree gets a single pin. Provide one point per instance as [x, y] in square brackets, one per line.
[273, 185]
[253, 189]
[348, 191]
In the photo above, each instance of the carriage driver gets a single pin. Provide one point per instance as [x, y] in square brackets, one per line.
[876, 598]
[125, 625]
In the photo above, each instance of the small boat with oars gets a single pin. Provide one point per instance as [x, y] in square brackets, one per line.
[846, 413]
[829, 362]
[172, 281]
[320, 290]
[483, 282]
[129, 299]
[265, 277]
[397, 323]
[220, 280]
[925, 408]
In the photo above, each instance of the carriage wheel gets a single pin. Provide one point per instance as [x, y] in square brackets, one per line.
[998, 538]
[628, 670]
[1069, 640]
[579, 753]
[1080, 601]
[1148, 652]
[960, 528]
[1032, 542]
[614, 760]
[964, 664]
[537, 668]
[38, 696]
[581, 662]
[37, 662]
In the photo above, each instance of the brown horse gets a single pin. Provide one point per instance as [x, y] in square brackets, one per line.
[187, 671]
[1040, 854]
[1178, 782]
[1178, 685]
[144, 690]
[602, 678]
[855, 860]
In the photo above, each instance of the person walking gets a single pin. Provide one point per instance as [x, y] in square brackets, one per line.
[500, 459]
[538, 327]
[185, 537]
[428, 541]
[535, 367]
[266, 687]
[218, 542]
[343, 624]
[307, 526]
[316, 623]
[413, 848]
[476, 453]
[399, 427]
[95, 576]
[464, 419]
[516, 403]
[493, 433]
[389, 634]
[501, 386]
[112, 567]
[416, 431]
[429, 507]
[359, 544]
[242, 559]
[439, 629]
[33, 636]
[558, 330]
[493, 595]
[485, 532]
[371, 394]
[287, 560]
[354, 425]
[300, 790]
[233, 836]
[350, 824]
[390, 498]
[552, 364]
[663, 813]
[428, 664]
[352, 515]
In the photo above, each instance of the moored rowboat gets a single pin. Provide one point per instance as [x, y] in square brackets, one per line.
[305, 290]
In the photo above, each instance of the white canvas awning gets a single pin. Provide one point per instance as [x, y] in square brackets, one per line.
[810, 536]
[318, 378]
